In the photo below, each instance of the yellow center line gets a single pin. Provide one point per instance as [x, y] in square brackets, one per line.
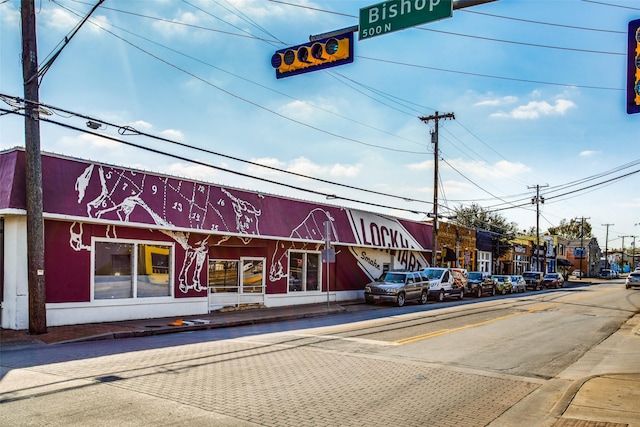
[486, 322]
[447, 331]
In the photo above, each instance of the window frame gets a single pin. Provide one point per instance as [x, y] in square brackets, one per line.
[304, 272]
[134, 268]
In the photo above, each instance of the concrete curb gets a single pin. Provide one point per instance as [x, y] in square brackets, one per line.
[226, 323]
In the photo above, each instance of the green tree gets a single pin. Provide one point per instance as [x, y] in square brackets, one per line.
[572, 229]
[475, 216]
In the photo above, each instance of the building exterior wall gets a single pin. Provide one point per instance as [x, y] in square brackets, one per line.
[123, 244]
[15, 301]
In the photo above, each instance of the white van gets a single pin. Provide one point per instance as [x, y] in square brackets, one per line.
[445, 283]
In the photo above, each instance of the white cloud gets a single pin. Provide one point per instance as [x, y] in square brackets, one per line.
[172, 134]
[304, 166]
[298, 110]
[425, 165]
[60, 19]
[141, 125]
[536, 109]
[494, 102]
[10, 16]
[588, 153]
[91, 141]
[187, 170]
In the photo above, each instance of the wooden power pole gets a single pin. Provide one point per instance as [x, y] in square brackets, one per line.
[434, 139]
[33, 161]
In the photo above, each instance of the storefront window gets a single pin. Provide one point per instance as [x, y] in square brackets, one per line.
[113, 266]
[116, 275]
[252, 275]
[304, 271]
[153, 271]
[223, 276]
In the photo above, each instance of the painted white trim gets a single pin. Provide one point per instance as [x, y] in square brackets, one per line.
[59, 314]
[15, 305]
[299, 298]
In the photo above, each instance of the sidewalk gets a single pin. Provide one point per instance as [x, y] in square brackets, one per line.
[605, 382]
[139, 328]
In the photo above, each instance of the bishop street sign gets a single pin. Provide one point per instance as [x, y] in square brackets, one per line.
[395, 15]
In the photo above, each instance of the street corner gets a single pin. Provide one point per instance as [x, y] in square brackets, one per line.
[611, 399]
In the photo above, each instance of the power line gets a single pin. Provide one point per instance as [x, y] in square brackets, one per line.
[222, 169]
[467, 73]
[573, 27]
[128, 130]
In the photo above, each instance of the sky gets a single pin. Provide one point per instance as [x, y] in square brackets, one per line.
[537, 88]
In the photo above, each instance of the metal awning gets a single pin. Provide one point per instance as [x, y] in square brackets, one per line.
[565, 263]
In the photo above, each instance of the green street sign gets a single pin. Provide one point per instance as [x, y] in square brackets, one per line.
[395, 15]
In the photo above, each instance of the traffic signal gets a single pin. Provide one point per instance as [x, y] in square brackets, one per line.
[633, 68]
[312, 56]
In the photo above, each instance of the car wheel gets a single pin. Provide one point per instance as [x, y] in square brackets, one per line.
[503, 291]
[441, 296]
[400, 300]
[479, 292]
[461, 297]
[424, 297]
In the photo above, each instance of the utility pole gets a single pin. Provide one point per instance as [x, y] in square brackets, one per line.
[33, 161]
[623, 250]
[537, 200]
[434, 139]
[606, 246]
[633, 253]
[582, 251]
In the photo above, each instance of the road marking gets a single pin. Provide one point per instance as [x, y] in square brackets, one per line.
[486, 322]
[448, 331]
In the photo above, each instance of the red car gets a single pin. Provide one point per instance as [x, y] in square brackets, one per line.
[553, 280]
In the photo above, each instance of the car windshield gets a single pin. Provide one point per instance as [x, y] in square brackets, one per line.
[394, 278]
[500, 278]
[475, 276]
[530, 275]
[433, 274]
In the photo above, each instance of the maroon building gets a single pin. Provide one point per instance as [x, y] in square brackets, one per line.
[123, 244]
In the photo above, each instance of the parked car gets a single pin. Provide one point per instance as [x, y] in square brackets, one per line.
[553, 280]
[461, 277]
[480, 283]
[577, 273]
[605, 274]
[533, 279]
[504, 285]
[518, 284]
[442, 284]
[633, 280]
[398, 287]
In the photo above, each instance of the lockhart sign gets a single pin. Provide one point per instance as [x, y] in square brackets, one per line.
[395, 15]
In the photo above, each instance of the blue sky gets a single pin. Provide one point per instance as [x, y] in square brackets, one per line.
[537, 89]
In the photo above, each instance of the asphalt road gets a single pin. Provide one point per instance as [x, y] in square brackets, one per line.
[458, 363]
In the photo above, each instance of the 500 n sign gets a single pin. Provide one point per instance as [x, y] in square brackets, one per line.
[395, 15]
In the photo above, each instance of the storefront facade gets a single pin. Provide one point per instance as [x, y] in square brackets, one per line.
[123, 244]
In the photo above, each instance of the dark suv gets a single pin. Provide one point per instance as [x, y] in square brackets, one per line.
[398, 287]
[480, 283]
[533, 279]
